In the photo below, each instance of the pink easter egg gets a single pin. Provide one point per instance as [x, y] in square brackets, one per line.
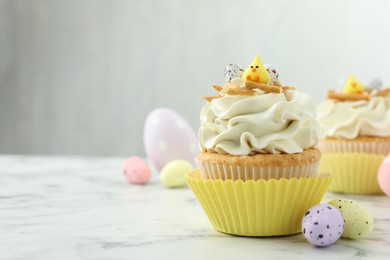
[136, 170]
[168, 137]
[384, 176]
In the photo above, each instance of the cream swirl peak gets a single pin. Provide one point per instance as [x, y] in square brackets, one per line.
[271, 123]
[351, 119]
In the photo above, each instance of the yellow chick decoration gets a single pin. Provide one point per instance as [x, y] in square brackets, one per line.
[256, 72]
[352, 86]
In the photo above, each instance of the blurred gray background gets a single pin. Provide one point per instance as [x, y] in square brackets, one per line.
[79, 76]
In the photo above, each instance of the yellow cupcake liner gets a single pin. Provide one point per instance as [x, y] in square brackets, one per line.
[353, 172]
[257, 208]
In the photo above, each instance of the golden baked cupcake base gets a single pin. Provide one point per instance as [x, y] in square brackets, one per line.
[259, 166]
[257, 208]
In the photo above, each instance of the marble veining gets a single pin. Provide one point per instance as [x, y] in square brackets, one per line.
[82, 208]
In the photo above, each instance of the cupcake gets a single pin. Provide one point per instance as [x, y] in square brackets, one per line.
[258, 166]
[356, 136]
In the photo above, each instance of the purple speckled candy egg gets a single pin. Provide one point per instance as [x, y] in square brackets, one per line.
[322, 225]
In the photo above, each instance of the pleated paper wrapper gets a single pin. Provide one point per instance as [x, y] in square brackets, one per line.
[257, 208]
[354, 173]
[211, 170]
[341, 146]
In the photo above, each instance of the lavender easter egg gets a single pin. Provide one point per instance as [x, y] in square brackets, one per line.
[322, 225]
[168, 137]
[384, 176]
[136, 170]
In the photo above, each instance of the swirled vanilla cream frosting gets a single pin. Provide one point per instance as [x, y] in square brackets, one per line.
[350, 119]
[261, 123]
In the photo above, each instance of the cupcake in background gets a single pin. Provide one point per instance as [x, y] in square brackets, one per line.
[356, 136]
[258, 166]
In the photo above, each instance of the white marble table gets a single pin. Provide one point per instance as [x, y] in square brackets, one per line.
[82, 208]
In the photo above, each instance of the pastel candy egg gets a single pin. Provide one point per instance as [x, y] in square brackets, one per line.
[375, 83]
[172, 175]
[272, 71]
[358, 222]
[384, 176]
[136, 170]
[322, 225]
[167, 137]
[233, 71]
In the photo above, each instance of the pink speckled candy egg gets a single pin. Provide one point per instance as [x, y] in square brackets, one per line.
[384, 176]
[322, 225]
[136, 170]
[168, 137]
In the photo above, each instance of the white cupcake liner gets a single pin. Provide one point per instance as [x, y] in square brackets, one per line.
[216, 171]
[336, 146]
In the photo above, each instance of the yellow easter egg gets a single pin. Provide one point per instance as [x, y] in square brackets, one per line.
[172, 175]
[357, 221]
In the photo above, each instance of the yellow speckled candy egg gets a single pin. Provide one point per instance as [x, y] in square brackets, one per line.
[358, 222]
[172, 175]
